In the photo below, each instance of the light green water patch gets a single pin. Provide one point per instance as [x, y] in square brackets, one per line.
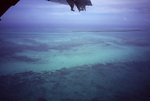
[85, 55]
[59, 50]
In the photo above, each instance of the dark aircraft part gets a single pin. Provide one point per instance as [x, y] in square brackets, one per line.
[71, 3]
[80, 4]
[5, 5]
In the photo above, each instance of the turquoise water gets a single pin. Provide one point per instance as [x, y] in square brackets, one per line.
[103, 65]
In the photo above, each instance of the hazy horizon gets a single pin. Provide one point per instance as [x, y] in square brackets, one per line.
[111, 14]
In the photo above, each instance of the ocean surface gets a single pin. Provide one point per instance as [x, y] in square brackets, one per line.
[105, 65]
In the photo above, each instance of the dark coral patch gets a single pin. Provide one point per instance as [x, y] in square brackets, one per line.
[41, 99]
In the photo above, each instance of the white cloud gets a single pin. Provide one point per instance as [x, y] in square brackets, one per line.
[120, 2]
[111, 10]
[119, 6]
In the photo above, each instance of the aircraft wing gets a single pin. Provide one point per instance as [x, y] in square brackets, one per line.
[5, 5]
[80, 4]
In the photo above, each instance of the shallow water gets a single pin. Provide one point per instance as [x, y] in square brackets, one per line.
[75, 66]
